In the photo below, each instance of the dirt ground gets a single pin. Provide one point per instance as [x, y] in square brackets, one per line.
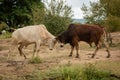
[59, 56]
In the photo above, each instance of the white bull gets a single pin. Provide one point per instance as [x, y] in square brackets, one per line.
[36, 34]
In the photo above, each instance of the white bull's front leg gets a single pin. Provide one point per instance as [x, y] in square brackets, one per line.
[36, 48]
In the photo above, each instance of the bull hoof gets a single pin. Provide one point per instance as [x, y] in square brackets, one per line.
[93, 55]
[77, 57]
[108, 56]
[70, 55]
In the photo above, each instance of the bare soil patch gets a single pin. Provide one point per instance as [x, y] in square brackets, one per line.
[17, 66]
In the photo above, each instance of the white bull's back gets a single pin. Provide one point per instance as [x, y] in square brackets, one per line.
[30, 33]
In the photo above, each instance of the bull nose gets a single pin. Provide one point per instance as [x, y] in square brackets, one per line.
[61, 45]
[51, 49]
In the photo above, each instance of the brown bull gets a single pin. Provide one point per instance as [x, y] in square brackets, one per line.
[83, 32]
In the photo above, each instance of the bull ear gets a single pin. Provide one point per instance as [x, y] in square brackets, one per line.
[55, 40]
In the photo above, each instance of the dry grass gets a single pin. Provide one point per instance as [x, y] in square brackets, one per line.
[55, 58]
[112, 66]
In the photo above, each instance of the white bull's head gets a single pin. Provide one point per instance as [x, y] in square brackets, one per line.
[52, 43]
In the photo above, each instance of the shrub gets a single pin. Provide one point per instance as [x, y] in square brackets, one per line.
[7, 35]
[91, 73]
[65, 73]
[35, 60]
[72, 73]
[3, 26]
[56, 24]
[113, 23]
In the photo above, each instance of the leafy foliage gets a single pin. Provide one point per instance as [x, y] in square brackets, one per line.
[103, 12]
[6, 35]
[56, 24]
[113, 23]
[38, 12]
[58, 16]
[113, 17]
[72, 73]
[111, 6]
[17, 13]
[95, 14]
[3, 26]
[91, 73]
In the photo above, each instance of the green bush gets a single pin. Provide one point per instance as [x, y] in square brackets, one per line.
[113, 23]
[56, 24]
[91, 73]
[3, 26]
[6, 35]
[35, 60]
[72, 73]
[65, 73]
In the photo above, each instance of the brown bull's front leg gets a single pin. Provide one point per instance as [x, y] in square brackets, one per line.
[96, 50]
[77, 53]
[72, 48]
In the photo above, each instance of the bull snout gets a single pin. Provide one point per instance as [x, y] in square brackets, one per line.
[51, 49]
[61, 46]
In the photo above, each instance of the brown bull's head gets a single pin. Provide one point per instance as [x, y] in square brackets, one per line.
[60, 39]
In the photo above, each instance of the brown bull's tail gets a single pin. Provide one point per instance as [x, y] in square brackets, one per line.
[105, 41]
[107, 36]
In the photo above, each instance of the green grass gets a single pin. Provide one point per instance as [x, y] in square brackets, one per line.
[112, 66]
[88, 72]
[115, 45]
[68, 72]
[64, 73]
[4, 36]
[92, 73]
[35, 60]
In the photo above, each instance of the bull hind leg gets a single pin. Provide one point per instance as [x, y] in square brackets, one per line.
[35, 50]
[103, 41]
[107, 48]
[20, 50]
[93, 55]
